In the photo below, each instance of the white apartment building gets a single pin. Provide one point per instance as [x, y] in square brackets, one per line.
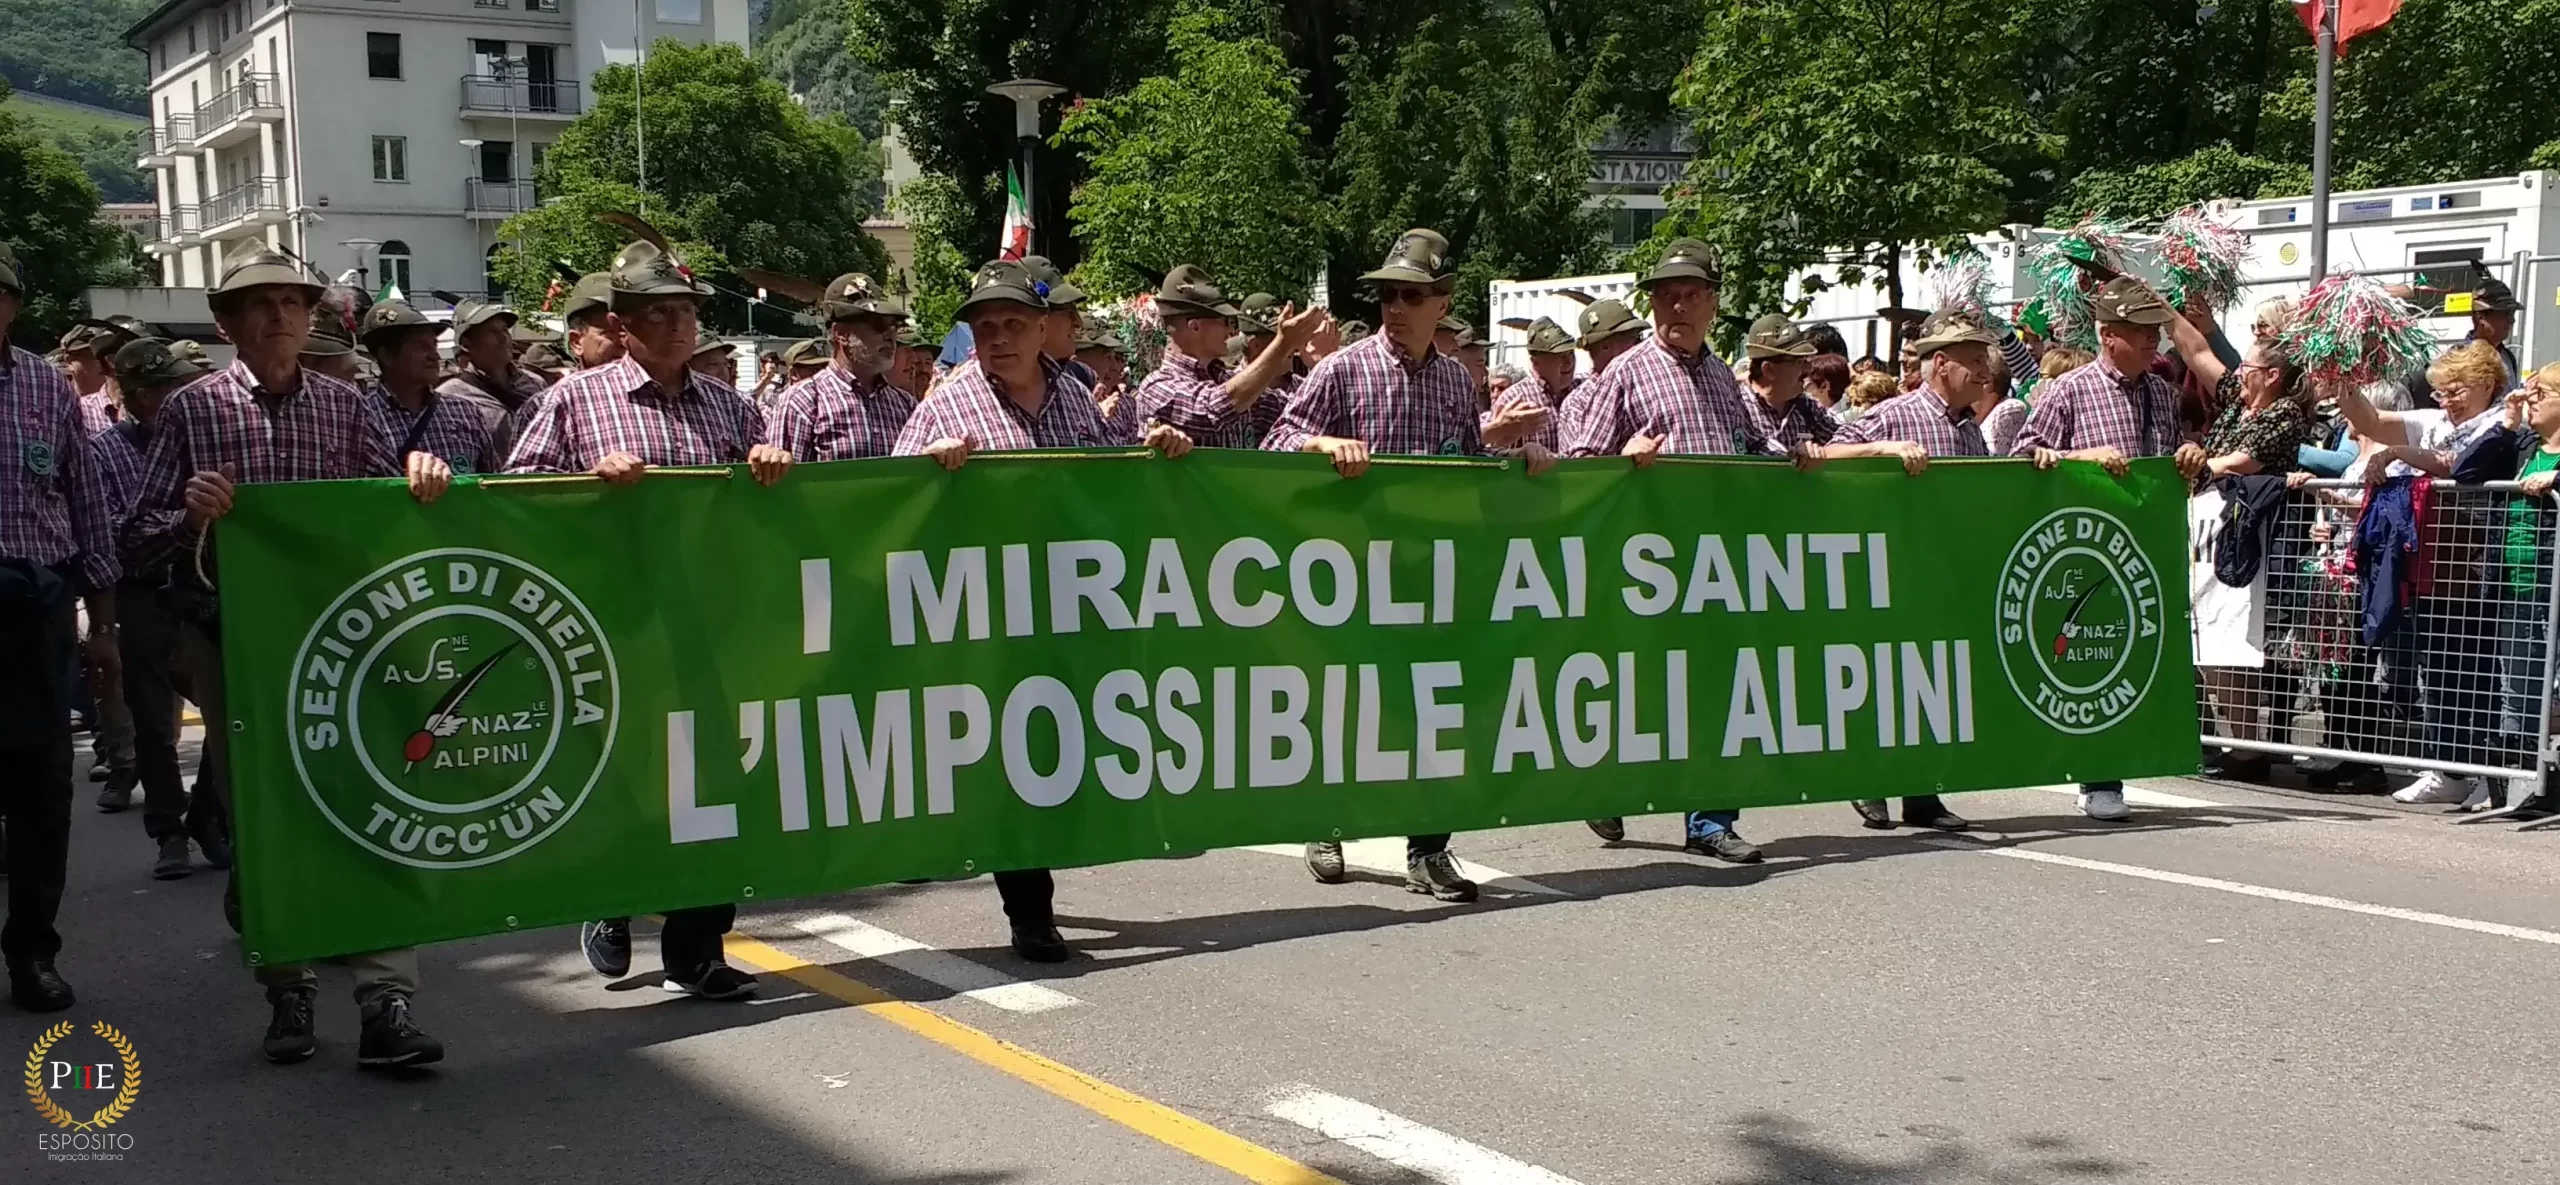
[390, 136]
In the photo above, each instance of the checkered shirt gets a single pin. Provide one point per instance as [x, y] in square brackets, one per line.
[966, 406]
[1127, 427]
[320, 431]
[119, 461]
[448, 426]
[1531, 390]
[2097, 407]
[618, 408]
[1368, 391]
[1693, 404]
[1922, 418]
[1191, 394]
[67, 511]
[97, 412]
[833, 416]
[1803, 420]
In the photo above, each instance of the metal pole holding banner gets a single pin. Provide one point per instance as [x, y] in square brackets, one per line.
[2327, 48]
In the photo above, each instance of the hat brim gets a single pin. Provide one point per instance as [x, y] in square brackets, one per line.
[835, 311]
[1604, 333]
[1407, 275]
[368, 335]
[1759, 351]
[1003, 294]
[327, 347]
[1926, 346]
[1681, 271]
[265, 275]
[1185, 308]
[493, 314]
[2153, 317]
[623, 299]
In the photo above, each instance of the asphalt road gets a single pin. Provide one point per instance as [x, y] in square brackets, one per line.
[2239, 986]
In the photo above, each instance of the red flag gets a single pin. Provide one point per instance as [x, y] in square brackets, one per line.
[2355, 18]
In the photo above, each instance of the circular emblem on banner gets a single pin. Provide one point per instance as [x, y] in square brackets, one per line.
[2081, 620]
[453, 708]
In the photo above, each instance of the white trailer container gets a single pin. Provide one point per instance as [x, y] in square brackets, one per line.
[2422, 234]
[1532, 299]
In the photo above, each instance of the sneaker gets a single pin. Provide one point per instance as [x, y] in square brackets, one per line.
[1438, 875]
[390, 1038]
[1609, 830]
[2435, 787]
[173, 863]
[1872, 814]
[1726, 845]
[719, 981]
[1041, 943]
[2106, 806]
[290, 1037]
[1324, 862]
[607, 945]
[2482, 798]
[115, 799]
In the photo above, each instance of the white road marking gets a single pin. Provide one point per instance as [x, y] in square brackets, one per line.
[975, 980]
[1387, 856]
[2138, 796]
[1403, 1143]
[2341, 904]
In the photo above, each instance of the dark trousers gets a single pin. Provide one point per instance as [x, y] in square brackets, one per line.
[690, 941]
[38, 638]
[1418, 846]
[2458, 664]
[148, 637]
[1027, 893]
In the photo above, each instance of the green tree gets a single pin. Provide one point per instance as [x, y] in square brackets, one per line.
[739, 176]
[1848, 131]
[2149, 192]
[2450, 89]
[74, 49]
[1206, 165]
[803, 47]
[940, 215]
[49, 220]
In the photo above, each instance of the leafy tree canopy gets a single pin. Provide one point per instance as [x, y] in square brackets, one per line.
[49, 220]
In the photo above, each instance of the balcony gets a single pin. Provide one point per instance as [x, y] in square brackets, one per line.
[161, 143]
[497, 96]
[234, 115]
[258, 201]
[184, 228]
[498, 199]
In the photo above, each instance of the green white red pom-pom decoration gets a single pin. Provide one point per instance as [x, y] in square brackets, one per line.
[2352, 331]
[2201, 259]
[2063, 288]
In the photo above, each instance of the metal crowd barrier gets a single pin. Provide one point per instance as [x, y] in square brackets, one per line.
[2462, 686]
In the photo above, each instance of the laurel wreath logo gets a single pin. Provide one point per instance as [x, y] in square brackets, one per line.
[115, 1109]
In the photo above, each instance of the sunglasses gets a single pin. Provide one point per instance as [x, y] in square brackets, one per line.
[1402, 295]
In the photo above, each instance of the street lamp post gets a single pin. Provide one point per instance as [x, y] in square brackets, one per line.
[470, 173]
[1027, 94]
[363, 248]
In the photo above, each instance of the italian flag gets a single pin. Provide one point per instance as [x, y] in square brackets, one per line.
[1015, 240]
[390, 291]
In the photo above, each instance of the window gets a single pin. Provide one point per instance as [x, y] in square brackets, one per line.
[680, 12]
[489, 273]
[395, 264]
[497, 162]
[164, 55]
[382, 55]
[191, 37]
[2459, 277]
[390, 158]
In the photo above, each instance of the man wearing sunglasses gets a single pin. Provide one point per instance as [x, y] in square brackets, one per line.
[1394, 392]
[1671, 394]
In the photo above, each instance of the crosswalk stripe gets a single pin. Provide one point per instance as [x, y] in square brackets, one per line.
[975, 980]
[1403, 1143]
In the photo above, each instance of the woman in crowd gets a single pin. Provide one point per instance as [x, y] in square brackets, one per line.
[2257, 424]
[2453, 648]
[2526, 533]
[1828, 381]
[1866, 391]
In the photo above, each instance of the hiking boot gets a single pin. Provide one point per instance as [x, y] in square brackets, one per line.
[607, 945]
[115, 800]
[1040, 942]
[390, 1038]
[215, 849]
[37, 987]
[290, 1037]
[173, 863]
[1609, 830]
[1873, 814]
[716, 981]
[1324, 862]
[1438, 875]
[1726, 845]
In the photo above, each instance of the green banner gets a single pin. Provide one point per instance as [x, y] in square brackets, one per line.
[541, 701]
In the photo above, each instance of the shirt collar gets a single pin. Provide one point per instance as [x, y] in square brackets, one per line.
[1952, 413]
[1197, 367]
[633, 381]
[855, 383]
[240, 374]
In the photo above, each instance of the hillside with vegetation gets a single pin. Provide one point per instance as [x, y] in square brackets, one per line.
[74, 49]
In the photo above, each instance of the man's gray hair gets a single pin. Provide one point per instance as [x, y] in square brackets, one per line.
[1506, 372]
[2386, 395]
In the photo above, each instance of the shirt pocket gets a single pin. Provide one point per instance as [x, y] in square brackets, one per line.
[31, 445]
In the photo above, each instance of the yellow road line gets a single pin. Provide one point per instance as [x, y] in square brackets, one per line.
[1147, 1117]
